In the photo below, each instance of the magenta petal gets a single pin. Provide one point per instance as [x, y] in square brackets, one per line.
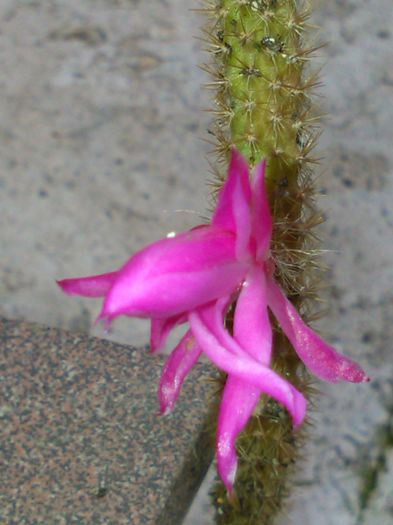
[161, 328]
[233, 211]
[249, 370]
[323, 360]
[238, 403]
[176, 369]
[262, 223]
[252, 328]
[174, 275]
[236, 188]
[251, 308]
[95, 286]
[253, 332]
[214, 316]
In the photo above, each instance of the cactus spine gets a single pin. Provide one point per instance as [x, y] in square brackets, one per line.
[262, 106]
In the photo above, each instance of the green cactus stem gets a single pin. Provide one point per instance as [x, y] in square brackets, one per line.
[263, 106]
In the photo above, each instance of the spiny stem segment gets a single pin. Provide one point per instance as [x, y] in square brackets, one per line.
[262, 92]
[262, 103]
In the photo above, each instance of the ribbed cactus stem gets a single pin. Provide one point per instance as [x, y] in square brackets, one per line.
[262, 99]
[263, 94]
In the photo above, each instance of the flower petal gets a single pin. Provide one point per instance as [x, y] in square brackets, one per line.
[214, 315]
[249, 370]
[161, 328]
[253, 332]
[177, 367]
[323, 360]
[262, 223]
[174, 275]
[95, 286]
[252, 328]
[233, 211]
[238, 403]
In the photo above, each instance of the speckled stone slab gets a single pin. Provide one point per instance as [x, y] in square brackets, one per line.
[81, 441]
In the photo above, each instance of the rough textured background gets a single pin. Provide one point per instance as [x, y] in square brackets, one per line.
[99, 145]
[80, 438]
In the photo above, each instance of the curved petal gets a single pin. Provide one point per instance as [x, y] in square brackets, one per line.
[262, 223]
[174, 275]
[249, 370]
[252, 328]
[239, 400]
[243, 387]
[161, 328]
[253, 332]
[95, 286]
[318, 356]
[214, 315]
[176, 369]
[233, 210]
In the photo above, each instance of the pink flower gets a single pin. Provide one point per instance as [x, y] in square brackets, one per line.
[195, 277]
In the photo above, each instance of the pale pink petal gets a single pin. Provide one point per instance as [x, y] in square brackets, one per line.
[262, 223]
[176, 369]
[249, 370]
[161, 328]
[323, 360]
[239, 400]
[233, 211]
[95, 286]
[174, 275]
[252, 328]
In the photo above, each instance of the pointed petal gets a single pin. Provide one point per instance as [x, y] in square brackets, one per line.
[174, 275]
[252, 328]
[233, 211]
[95, 286]
[238, 403]
[249, 370]
[161, 328]
[176, 369]
[236, 189]
[262, 223]
[253, 332]
[323, 360]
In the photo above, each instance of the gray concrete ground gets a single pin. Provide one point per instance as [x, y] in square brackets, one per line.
[100, 147]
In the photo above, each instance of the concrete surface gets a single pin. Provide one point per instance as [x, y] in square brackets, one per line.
[99, 145]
